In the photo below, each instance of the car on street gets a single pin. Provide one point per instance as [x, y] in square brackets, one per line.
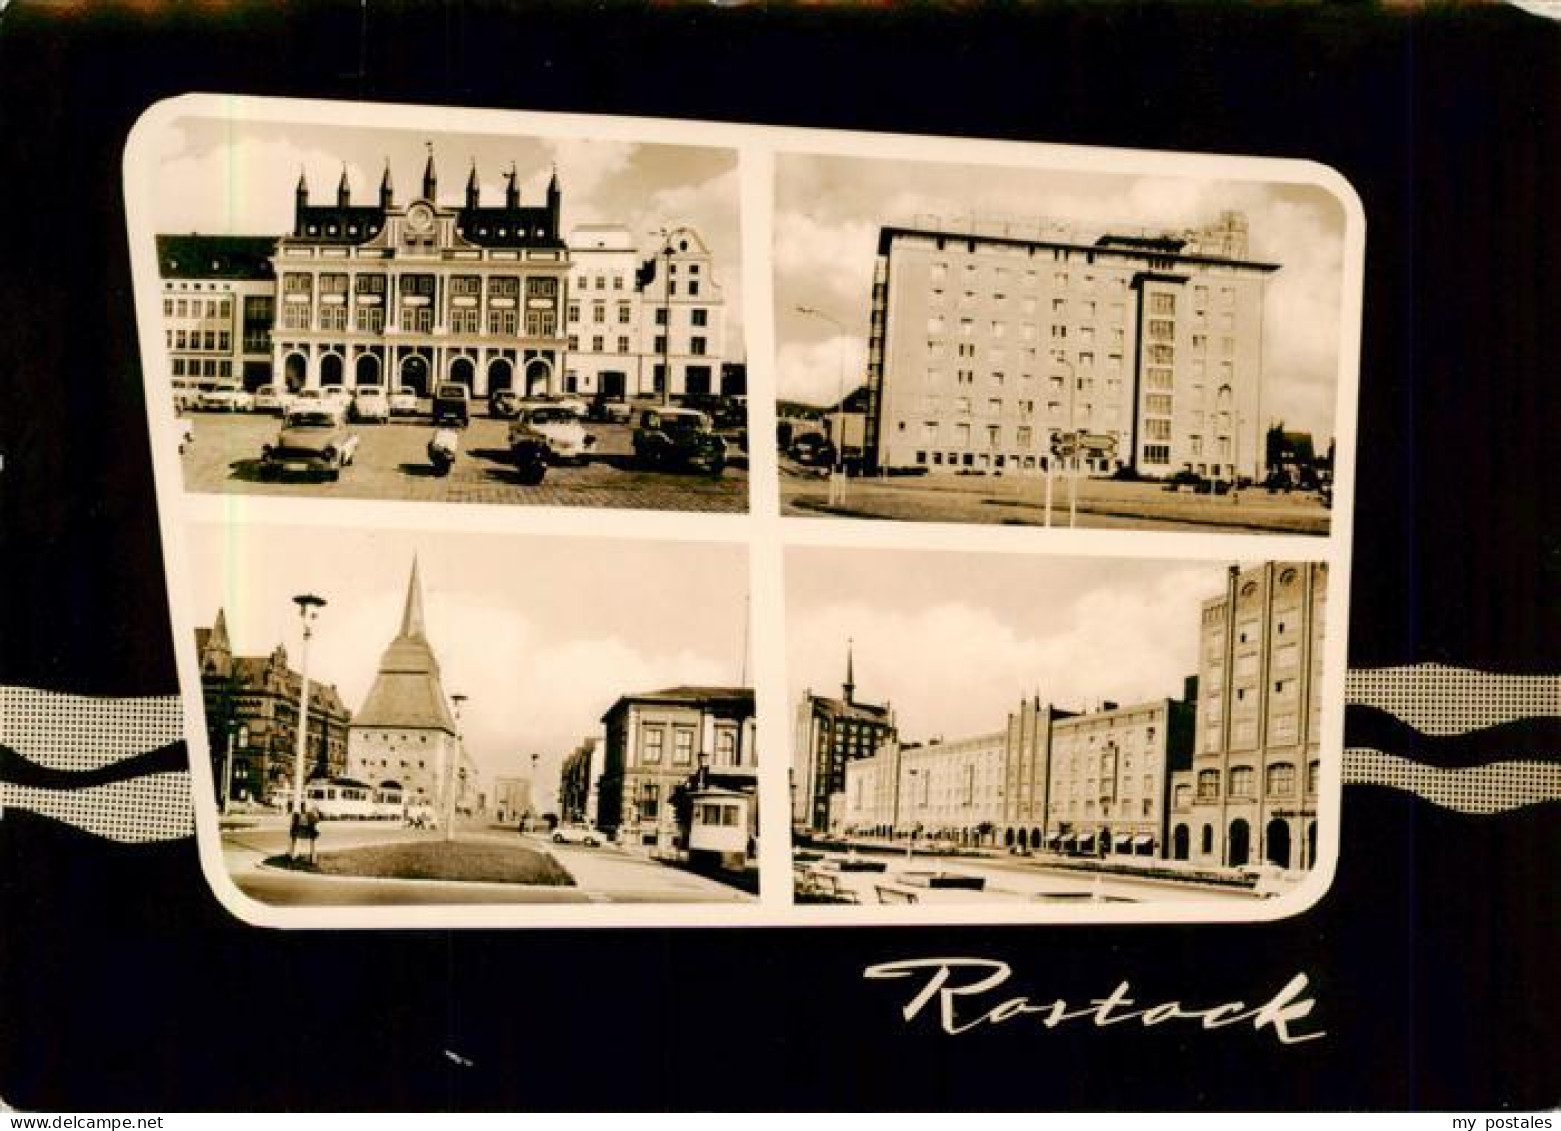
[452, 404]
[225, 398]
[314, 440]
[403, 401]
[677, 438]
[269, 398]
[573, 403]
[610, 408]
[558, 429]
[579, 834]
[812, 450]
[370, 403]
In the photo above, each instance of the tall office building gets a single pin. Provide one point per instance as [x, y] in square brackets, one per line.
[986, 344]
[1251, 792]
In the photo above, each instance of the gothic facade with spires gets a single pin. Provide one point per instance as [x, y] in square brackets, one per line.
[406, 735]
[830, 734]
[417, 292]
[411, 291]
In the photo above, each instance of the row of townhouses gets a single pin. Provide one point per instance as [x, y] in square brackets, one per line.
[1226, 774]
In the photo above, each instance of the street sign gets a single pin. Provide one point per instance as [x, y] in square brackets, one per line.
[1064, 444]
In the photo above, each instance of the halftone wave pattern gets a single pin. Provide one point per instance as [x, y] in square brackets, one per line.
[1493, 788]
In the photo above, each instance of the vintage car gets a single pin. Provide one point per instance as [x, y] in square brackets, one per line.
[452, 404]
[225, 398]
[558, 429]
[370, 403]
[674, 438]
[579, 834]
[610, 408]
[573, 403]
[269, 398]
[403, 401]
[314, 440]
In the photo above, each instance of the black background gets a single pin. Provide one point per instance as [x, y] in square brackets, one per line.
[123, 984]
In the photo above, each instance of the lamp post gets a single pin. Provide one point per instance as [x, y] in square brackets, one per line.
[449, 775]
[666, 313]
[309, 607]
[910, 833]
[837, 485]
[532, 800]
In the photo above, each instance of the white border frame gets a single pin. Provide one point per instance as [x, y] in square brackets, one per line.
[762, 529]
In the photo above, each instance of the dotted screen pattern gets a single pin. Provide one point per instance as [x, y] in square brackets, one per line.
[149, 808]
[79, 732]
[1437, 699]
[1492, 788]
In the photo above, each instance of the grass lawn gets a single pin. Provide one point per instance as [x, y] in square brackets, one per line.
[438, 860]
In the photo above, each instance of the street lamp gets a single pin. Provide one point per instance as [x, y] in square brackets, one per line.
[910, 833]
[532, 802]
[449, 774]
[837, 486]
[309, 607]
[666, 307]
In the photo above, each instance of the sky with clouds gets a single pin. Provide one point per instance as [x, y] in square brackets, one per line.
[542, 633]
[828, 211]
[955, 640]
[232, 175]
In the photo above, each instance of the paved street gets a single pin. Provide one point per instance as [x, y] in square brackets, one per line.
[1021, 501]
[602, 875]
[1016, 880]
[392, 463]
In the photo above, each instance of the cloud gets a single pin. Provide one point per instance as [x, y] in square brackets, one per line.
[956, 668]
[814, 372]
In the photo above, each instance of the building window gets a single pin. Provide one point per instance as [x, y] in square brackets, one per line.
[1281, 780]
[463, 319]
[652, 740]
[696, 346]
[1159, 454]
[623, 313]
[1208, 785]
[698, 316]
[598, 312]
[572, 312]
[540, 324]
[683, 746]
[465, 286]
[499, 286]
[650, 801]
[1243, 781]
[503, 321]
[623, 343]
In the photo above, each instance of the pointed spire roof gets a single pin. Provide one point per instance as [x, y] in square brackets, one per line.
[385, 187]
[343, 186]
[849, 686]
[412, 610]
[302, 188]
[430, 177]
[408, 692]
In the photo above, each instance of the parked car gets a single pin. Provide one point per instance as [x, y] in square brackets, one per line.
[339, 395]
[573, 403]
[812, 450]
[678, 438]
[503, 403]
[226, 398]
[314, 440]
[370, 403]
[452, 404]
[403, 401]
[579, 834]
[609, 408]
[269, 398]
[557, 429]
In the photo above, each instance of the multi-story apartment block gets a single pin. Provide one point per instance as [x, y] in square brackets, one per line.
[829, 735]
[604, 315]
[984, 347]
[415, 293]
[1251, 791]
[660, 742]
[943, 789]
[219, 301]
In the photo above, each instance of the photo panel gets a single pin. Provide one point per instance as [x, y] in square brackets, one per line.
[1018, 736]
[501, 728]
[442, 306]
[1055, 337]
